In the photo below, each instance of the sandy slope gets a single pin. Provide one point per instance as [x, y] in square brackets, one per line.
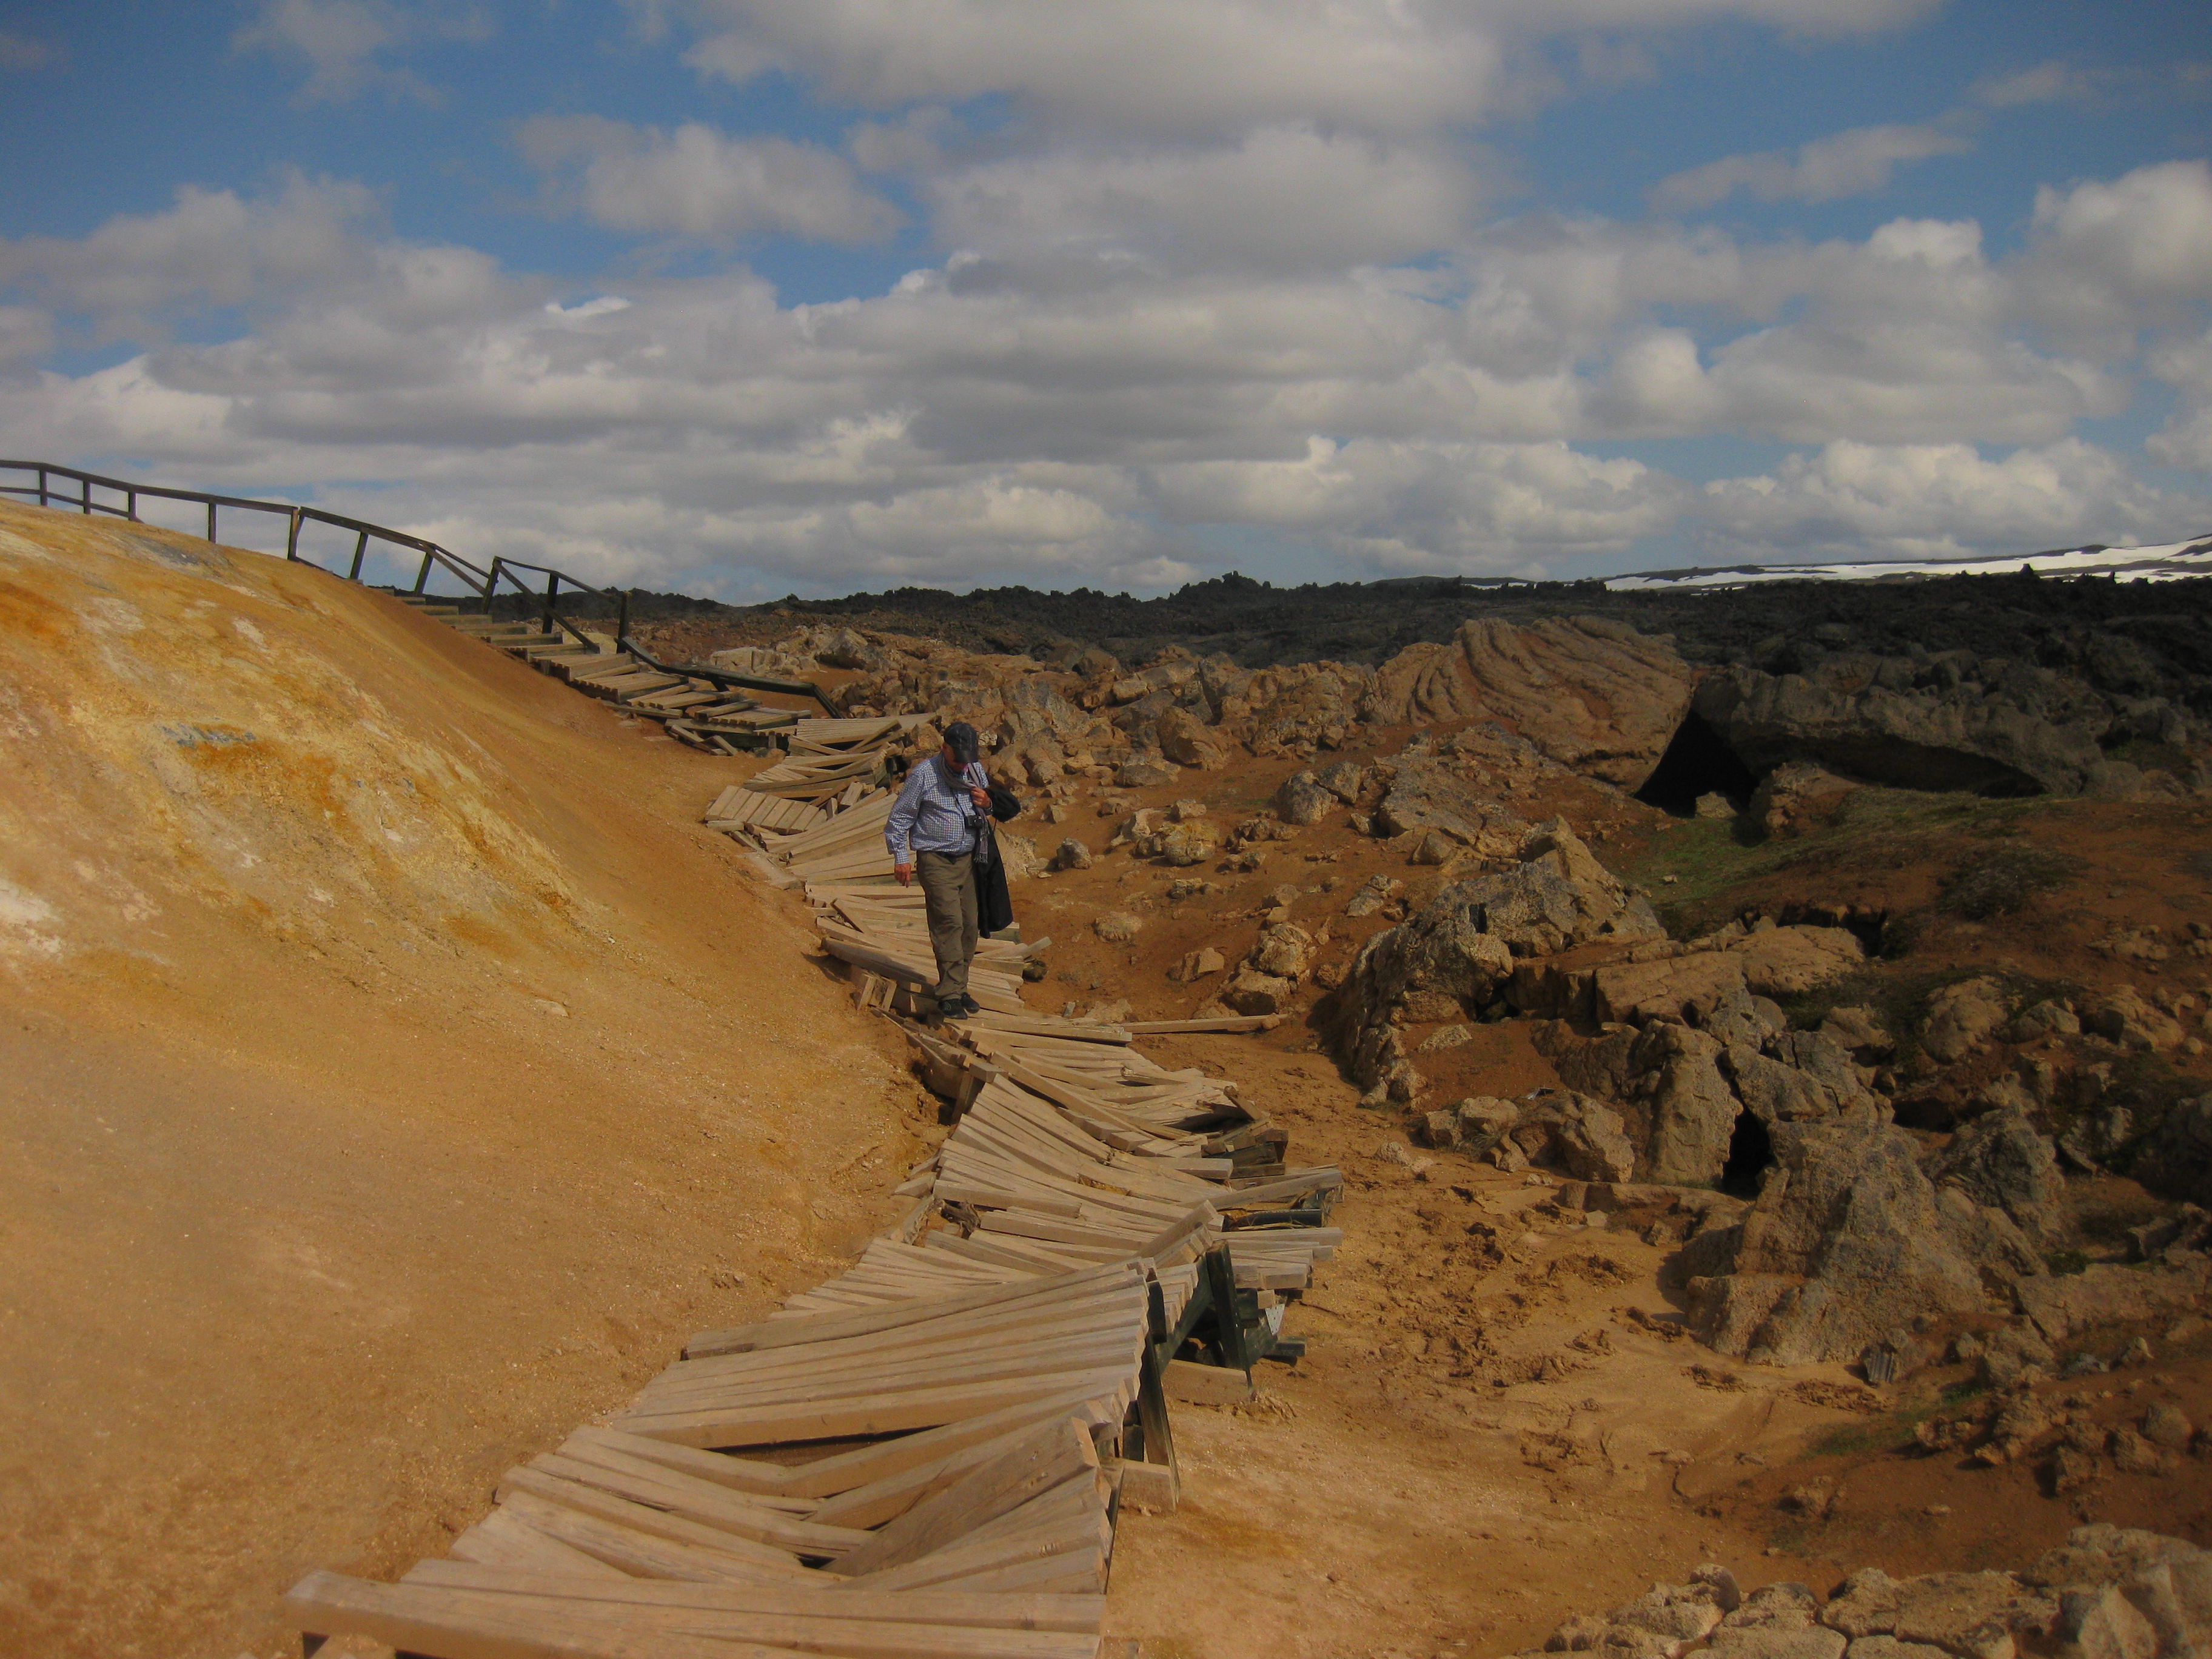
[390, 1077]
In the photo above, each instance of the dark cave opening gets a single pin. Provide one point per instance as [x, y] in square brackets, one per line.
[1698, 761]
[1749, 1154]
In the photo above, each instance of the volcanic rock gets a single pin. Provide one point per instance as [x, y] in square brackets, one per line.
[1848, 1240]
[2002, 1163]
[2009, 729]
[1301, 800]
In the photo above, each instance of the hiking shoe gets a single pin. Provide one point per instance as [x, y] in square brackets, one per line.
[969, 1005]
[953, 1008]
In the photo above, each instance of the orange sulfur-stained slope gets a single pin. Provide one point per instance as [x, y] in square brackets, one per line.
[391, 1074]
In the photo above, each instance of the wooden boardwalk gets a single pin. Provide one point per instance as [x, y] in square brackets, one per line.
[926, 1456]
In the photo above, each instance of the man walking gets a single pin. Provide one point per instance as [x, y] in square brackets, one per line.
[935, 824]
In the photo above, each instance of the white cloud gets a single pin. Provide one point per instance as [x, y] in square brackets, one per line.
[1937, 500]
[2186, 438]
[1180, 70]
[1083, 402]
[25, 332]
[2052, 82]
[342, 43]
[1247, 203]
[212, 248]
[1853, 163]
[2147, 235]
[1409, 505]
[698, 183]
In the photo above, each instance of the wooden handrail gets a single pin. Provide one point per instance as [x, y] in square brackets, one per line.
[484, 584]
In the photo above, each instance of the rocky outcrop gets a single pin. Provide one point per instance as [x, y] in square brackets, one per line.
[1700, 1055]
[1550, 1128]
[2001, 727]
[1431, 792]
[2002, 1162]
[1849, 1242]
[1453, 956]
[2107, 1593]
[1593, 695]
[1961, 1017]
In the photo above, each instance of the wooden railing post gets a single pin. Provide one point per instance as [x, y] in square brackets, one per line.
[210, 521]
[360, 552]
[621, 617]
[552, 589]
[292, 538]
[491, 584]
[85, 489]
[42, 486]
[423, 574]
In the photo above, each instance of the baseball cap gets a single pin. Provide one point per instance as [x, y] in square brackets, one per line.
[960, 737]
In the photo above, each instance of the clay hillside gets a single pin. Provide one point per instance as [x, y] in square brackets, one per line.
[1540, 1125]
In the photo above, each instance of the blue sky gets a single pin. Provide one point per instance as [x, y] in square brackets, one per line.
[750, 296]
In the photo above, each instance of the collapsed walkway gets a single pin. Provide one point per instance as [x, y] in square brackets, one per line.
[928, 1455]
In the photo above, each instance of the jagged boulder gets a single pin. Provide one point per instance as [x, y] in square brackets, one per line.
[1691, 1110]
[1187, 740]
[1848, 1241]
[844, 647]
[1961, 1017]
[1559, 1128]
[2003, 1162]
[1345, 780]
[1428, 793]
[1798, 1077]
[2122, 1016]
[1460, 948]
[1250, 991]
[1301, 800]
[1473, 1126]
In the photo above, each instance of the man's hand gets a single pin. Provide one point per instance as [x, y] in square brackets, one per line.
[980, 796]
[905, 874]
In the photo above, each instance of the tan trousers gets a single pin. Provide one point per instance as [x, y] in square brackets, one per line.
[948, 896]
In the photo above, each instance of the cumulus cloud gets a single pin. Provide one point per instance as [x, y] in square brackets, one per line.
[2186, 439]
[2147, 235]
[2051, 83]
[1247, 203]
[1851, 163]
[699, 183]
[1118, 361]
[1928, 500]
[344, 44]
[209, 248]
[1193, 69]
[1409, 505]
